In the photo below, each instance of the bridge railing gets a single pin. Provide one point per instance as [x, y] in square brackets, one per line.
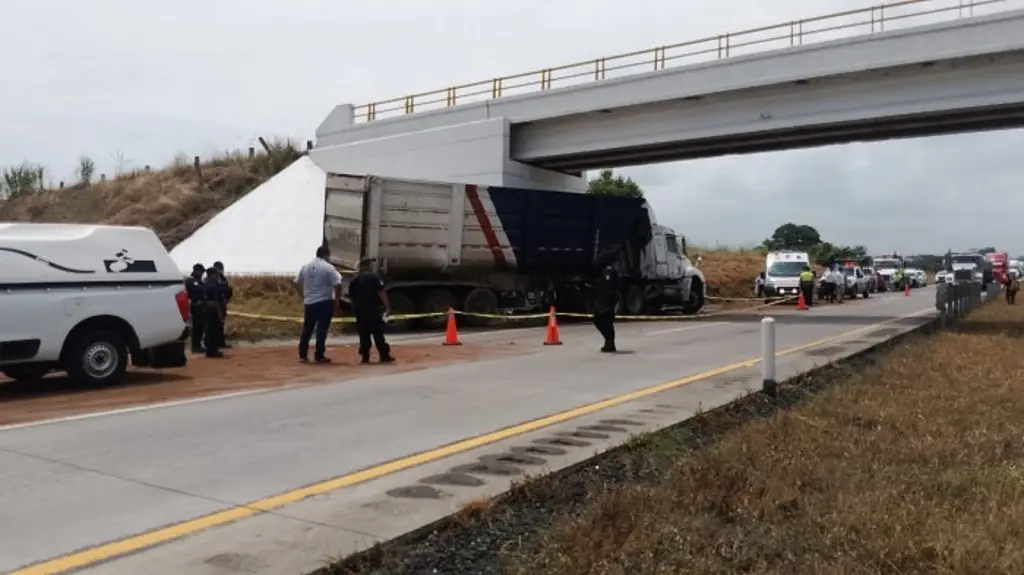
[862, 21]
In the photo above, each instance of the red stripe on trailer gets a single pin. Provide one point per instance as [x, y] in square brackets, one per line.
[485, 225]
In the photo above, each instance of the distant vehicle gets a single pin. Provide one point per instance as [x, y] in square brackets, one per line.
[886, 265]
[873, 280]
[1000, 265]
[916, 276]
[856, 281]
[88, 299]
[782, 272]
[968, 266]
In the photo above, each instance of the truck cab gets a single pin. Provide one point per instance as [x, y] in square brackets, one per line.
[670, 277]
[782, 272]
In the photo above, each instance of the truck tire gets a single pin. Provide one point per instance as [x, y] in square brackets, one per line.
[27, 372]
[96, 358]
[867, 293]
[635, 302]
[482, 301]
[696, 301]
[401, 304]
[437, 300]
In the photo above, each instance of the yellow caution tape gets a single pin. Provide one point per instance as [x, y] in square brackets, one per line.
[509, 317]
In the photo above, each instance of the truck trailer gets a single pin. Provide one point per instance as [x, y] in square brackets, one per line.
[502, 250]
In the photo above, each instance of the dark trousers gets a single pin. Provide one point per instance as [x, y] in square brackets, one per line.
[1011, 296]
[214, 328]
[605, 323]
[808, 290]
[371, 329]
[316, 316]
[198, 326]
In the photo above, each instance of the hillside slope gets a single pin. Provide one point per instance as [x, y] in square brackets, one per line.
[173, 202]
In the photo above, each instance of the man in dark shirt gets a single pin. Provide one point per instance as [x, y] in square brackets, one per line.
[226, 293]
[607, 286]
[369, 302]
[197, 306]
[213, 293]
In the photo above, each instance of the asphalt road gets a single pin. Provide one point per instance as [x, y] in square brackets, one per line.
[70, 486]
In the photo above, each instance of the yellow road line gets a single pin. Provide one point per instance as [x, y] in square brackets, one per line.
[142, 541]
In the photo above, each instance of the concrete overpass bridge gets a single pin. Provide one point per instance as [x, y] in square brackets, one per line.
[916, 68]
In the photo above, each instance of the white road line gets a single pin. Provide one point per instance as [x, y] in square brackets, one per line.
[686, 328]
[136, 408]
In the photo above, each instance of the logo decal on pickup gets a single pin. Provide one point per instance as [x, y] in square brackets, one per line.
[124, 263]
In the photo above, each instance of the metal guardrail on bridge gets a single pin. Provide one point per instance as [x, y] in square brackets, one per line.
[862, 21]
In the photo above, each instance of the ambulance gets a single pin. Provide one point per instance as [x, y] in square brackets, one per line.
[782, 272]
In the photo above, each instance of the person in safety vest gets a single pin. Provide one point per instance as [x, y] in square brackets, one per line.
[807, 285]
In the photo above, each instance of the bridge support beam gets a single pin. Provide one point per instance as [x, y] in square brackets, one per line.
[475, 152]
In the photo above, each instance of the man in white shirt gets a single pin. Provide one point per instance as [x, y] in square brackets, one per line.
[321, 291]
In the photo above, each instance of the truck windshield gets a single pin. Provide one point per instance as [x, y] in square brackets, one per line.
[965, 259]
[786, 269]
[886, 264]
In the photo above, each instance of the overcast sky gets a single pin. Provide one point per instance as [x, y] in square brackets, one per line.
[146, 80]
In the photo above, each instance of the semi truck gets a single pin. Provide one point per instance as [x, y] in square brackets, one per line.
[1000, 262]
[885, 266]
[502, 250]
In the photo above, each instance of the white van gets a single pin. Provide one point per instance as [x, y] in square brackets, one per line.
[86, 299]
[782, 272]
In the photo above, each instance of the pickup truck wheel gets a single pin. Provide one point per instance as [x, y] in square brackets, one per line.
[26, 371]
[867, 293]
[438, 300]
[482, 301]
[96, 358]
[401, 304]
[636, 301]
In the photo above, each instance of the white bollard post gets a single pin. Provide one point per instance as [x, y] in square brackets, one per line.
[768, 383]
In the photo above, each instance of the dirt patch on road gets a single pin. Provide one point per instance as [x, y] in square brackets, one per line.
[241, 370]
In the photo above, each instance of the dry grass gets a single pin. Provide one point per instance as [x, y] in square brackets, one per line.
[173, 202]
[906, 466]
[731, 273]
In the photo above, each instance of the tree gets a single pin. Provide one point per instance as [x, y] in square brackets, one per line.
[22, 180]
[86, 169]
[793, 237]
[608, 184]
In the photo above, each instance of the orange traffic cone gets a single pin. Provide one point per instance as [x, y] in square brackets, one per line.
[801, 303]
[906, 289]
[451, 334]
[552, 335]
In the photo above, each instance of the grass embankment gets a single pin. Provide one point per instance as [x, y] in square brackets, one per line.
[174, 202]
[912, 462]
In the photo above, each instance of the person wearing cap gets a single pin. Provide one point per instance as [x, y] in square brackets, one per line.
[371, 306]
[197, 306]
[321, 291]
[226, 293]
[214, 311]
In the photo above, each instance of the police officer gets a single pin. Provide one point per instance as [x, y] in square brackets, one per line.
[369, 301]
[213, 294]
[197, 306]
[226, 293]
[606, 286]
[807, 285]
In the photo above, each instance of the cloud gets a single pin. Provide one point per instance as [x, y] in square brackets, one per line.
[149, 81]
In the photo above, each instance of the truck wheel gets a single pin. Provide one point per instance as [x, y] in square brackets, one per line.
[26, 371]
[867, 293]
[438, 300]
[696, 301]
[401, 304]
[482, 301]
[96, 358]
[636, 302]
